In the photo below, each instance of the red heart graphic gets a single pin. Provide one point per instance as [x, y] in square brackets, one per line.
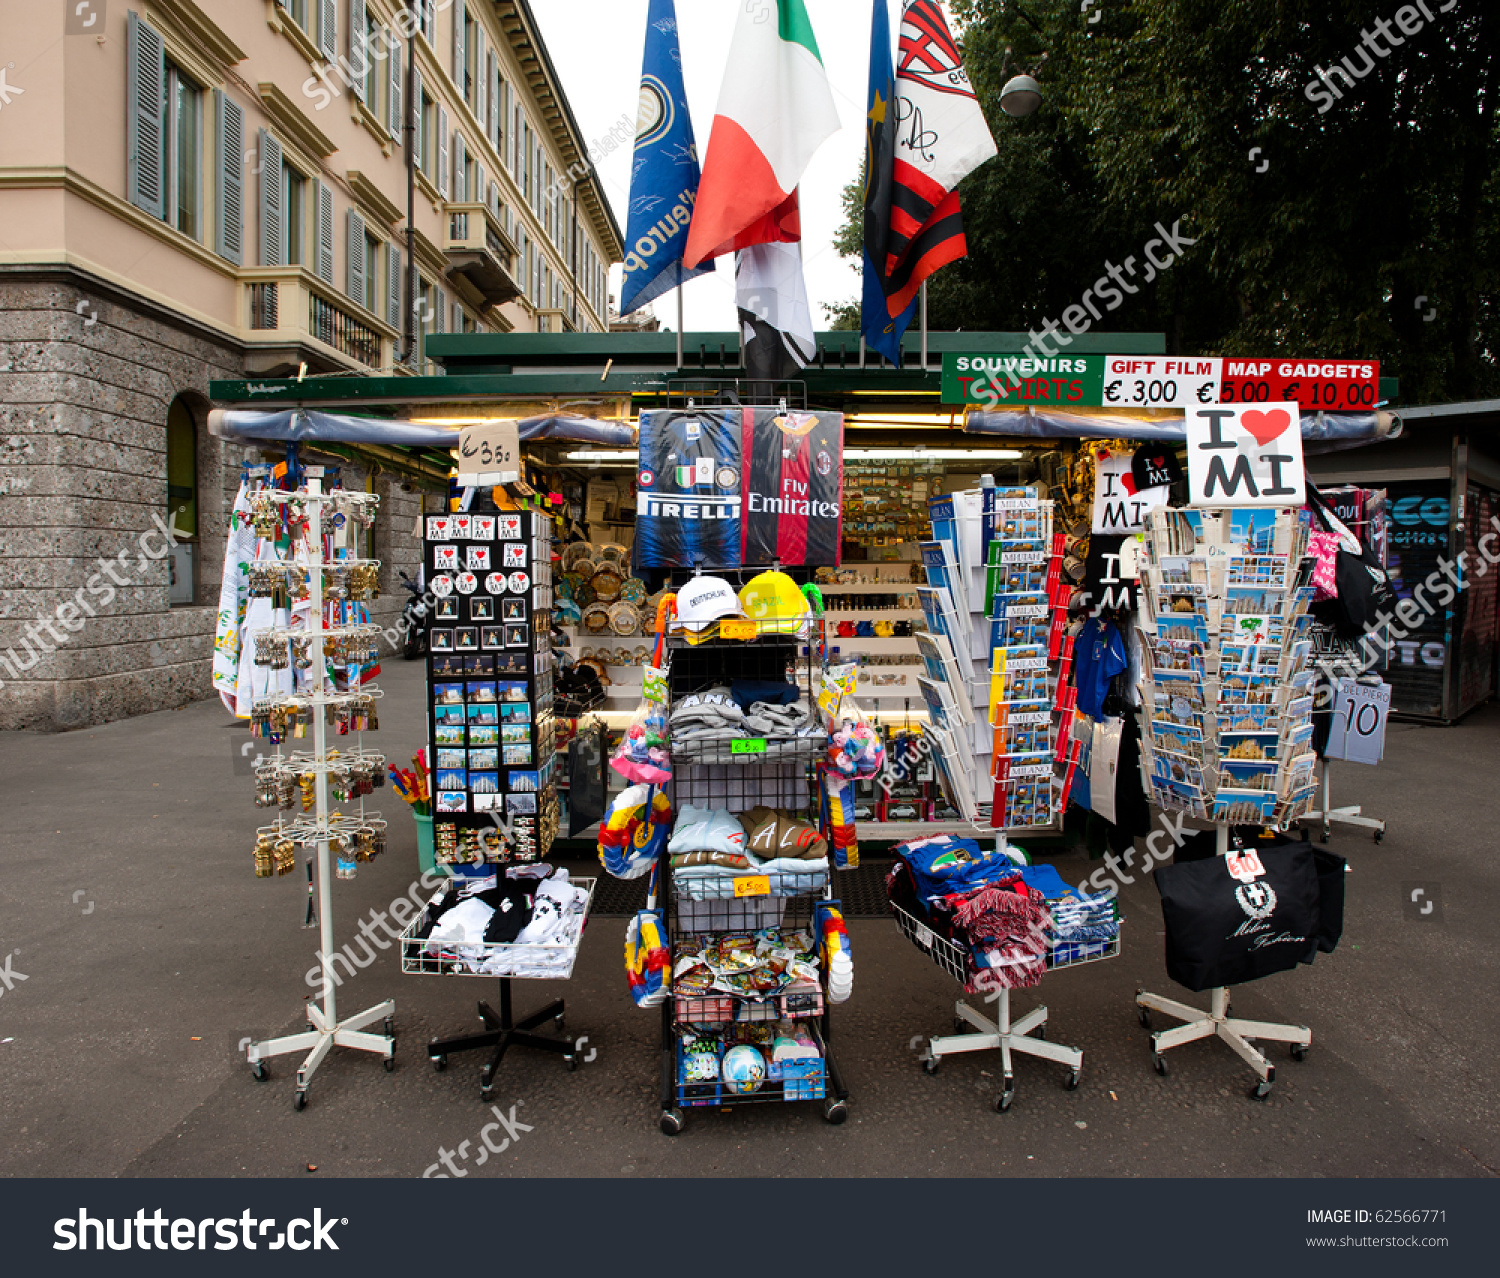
[1129, 481]
[1265, 426]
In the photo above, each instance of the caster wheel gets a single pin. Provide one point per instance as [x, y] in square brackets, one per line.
[1323, 838]
[1070, 1084]
[1159, 1063]
[1261, 1090]
[1300, 1050]
[390, 1064]
[558, 1022]
[1143, 1014]
[439, 1063]
[961, 1026]
[1003, 1101]
[835, 1111]
[299, 1101]
[572, 1063]
[390, 1027]
[1379, 836]
[671, 1122]
[931, 1065]
[260, 1071]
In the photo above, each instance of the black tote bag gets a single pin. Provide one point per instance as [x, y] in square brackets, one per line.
[1364, 586]
[1224, 932]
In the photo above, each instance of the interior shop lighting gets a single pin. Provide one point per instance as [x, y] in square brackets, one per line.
[604, 455]
[933, 454]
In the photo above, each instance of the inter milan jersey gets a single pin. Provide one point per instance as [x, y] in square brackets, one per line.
[688, 489]
[791, 499]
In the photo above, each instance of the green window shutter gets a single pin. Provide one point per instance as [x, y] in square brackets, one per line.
[145, 79]
[393, 286]
[442, 152]
[229, 179]
[328, 29]
[268, 153]
[393, 117]
[325, 234]
[359, 51]
[356, 259]
[459, 12]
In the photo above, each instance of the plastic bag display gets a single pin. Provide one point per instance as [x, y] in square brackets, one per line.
[834, 951]
[1104, 759]
[648, 959]
[644, 752]
[855, 747]
[837, 816]
[634, 831]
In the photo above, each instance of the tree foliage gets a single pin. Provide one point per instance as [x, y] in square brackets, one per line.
[1320, 244]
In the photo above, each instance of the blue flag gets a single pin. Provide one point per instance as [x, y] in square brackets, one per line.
[880, 331]
[664, 175]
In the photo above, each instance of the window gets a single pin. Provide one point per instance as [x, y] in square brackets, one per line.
[427, 127]
[429, 21]
[369, 68]
[293, 216]
[182, 500]
[470, 71]
[371, 300]
[298, 11]
[181, 149]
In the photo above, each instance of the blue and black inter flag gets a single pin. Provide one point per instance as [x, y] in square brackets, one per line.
[688, 486]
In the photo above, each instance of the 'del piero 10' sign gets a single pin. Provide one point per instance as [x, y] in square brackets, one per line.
[1010, 380]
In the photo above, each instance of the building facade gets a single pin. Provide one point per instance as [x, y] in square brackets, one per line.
[197, 191]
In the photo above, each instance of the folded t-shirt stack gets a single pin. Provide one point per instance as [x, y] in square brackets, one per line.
[711, 846]
[705, 724]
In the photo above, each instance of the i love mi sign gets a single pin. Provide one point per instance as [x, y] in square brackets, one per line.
[1245, 456]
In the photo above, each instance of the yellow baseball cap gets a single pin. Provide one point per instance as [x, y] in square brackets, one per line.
[773, 601]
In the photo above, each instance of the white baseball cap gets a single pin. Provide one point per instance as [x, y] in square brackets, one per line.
[704, 600]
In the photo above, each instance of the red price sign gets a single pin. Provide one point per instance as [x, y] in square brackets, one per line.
[1347, 386]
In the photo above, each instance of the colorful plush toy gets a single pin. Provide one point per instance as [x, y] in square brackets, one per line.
[855, 747]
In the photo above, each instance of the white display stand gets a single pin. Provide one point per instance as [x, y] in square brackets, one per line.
[1009, 1036]
[1218, 1023]
[1331, 816]
[325, 1031]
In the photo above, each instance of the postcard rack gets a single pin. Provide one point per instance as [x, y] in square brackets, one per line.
[1228, 699]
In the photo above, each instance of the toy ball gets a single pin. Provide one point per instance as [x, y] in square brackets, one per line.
[744, 1069]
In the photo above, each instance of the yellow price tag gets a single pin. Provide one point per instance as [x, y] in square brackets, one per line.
[753, 885]
[737, 628]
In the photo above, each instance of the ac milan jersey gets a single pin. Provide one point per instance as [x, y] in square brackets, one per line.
[791, 502]
[688, 489]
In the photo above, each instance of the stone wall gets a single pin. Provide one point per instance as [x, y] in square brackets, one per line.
[87, 375]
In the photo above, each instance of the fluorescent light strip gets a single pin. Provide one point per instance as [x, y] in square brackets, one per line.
[933, 454]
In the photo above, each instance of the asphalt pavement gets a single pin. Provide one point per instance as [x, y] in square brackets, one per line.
[138, 952]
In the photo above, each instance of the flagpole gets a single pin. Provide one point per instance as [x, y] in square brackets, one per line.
[679, 328]
[924, 326]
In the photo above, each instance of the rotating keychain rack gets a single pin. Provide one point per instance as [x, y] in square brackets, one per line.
[332, 773]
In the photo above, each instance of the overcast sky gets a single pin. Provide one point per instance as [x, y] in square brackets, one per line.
[596, 46]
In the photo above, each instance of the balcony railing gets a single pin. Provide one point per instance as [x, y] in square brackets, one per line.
[288, 306]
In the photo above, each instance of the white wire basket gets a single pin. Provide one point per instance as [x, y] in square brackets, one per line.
[552, 962]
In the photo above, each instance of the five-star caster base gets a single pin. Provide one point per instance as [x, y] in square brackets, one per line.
[321, 1036]
[1218, 1023]
[501, 1032]
[1027, 1035]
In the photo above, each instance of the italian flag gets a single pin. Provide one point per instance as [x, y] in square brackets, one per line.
[775, 110]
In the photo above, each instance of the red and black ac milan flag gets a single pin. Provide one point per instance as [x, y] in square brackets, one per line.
[940, 137]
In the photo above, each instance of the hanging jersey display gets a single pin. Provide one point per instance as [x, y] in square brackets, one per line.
[688, 489]
[791, 508]
[722, 487]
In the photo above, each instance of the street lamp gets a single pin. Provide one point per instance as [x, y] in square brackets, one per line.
[1020, 96]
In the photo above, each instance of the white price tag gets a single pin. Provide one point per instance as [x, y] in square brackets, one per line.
[490, 453]
[1161, 381]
